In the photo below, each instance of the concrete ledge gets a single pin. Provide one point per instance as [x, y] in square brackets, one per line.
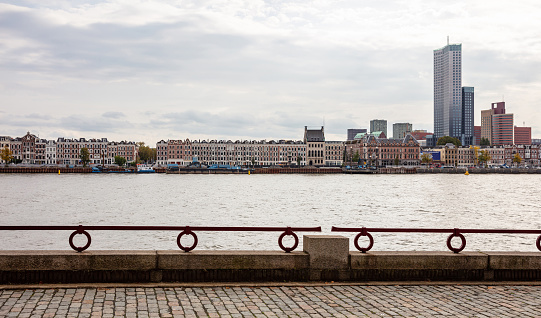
[225, 260]
[514, 260]
[418, 260]
[72, 261]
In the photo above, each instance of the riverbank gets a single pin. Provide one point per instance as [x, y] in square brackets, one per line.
[306, 170]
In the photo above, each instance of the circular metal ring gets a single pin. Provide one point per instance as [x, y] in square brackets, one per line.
[462, 246]
[538, 242]
[288, 249]
[184, 248]
[364, 249]
[78, 248]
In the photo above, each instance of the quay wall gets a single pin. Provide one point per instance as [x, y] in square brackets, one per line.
[324, 258]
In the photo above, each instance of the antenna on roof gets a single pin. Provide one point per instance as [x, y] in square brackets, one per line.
[447, 40]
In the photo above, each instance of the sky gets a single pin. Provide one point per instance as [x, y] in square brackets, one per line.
[246, 69]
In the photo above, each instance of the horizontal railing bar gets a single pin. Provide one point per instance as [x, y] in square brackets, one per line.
[422, 230]
[156, 228]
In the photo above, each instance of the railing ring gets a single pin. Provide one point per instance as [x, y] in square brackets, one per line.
[538, 242]
[462, 246]
[79, 248]
[187, 231]
[295, 237]
[356, 241]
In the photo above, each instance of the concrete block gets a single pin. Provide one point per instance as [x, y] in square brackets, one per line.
[514, 260]
[419, 260]
[327, 252]
[249, 260]
[71, 260]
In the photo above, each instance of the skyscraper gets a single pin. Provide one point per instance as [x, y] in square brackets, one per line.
[400, 130]
[496, 125]
[448, 91]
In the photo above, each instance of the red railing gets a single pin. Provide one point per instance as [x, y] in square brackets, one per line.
[186, 230]
[364, 231]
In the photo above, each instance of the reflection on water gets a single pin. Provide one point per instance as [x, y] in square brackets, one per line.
[422, 201]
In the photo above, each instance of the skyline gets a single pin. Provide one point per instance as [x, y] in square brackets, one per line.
[253, 70]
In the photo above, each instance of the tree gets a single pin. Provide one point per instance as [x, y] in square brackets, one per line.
[483, 157]
[6, 155]
[121, 161]
[299, 158]
[396, 161]
[485, 142]
[426, 158]
[84, 156]
[145, 153]
[517, 159]
[356, 157]
[442, 141]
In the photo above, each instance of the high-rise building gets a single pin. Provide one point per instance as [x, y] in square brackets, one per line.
[466, 133]
[378, 125]
[523, 135]
[400, 130]
[496, 125]
[354, 131]
[477, 135]
[448, 91]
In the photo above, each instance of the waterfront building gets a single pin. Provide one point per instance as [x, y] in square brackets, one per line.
[523, 135]
[101, 151]
[378, 125]
[400, 130]
[353, 132]
[382, 151]
[529, 153]
[50, 152]
[315, 146]
[467, 130]
[448, 91]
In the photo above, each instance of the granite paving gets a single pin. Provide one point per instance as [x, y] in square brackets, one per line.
[298, 301]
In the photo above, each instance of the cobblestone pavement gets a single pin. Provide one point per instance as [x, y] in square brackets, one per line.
[322, 301]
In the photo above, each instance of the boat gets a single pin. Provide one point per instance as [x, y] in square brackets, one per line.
[144, 169]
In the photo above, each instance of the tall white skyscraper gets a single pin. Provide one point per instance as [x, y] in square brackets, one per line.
[448, 91]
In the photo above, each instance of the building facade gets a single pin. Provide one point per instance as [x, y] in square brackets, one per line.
[448, 91]
[400, 130]
[467, 130]
[523, 135]
[353, 132]
[382, 151]
[378, 125]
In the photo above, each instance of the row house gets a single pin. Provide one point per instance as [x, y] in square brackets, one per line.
[382, 151]
[529, 154]
[101, 151]
[222, 152]
[468, 156]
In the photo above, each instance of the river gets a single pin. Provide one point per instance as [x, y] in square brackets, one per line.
[410, 201]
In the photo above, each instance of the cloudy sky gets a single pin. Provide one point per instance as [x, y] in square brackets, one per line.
[232, 69]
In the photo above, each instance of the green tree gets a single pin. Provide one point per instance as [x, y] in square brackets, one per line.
[84, 156]
[442, 141]
[396, 161]
[299, 158]
[483, 157]
[121, 161]
[356, 157]
[6, 155]
[485, 142]
[517, 159]
[426, 158]
[145, 153]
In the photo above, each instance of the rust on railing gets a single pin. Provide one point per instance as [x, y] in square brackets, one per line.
[185, 230]
[364, 231]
